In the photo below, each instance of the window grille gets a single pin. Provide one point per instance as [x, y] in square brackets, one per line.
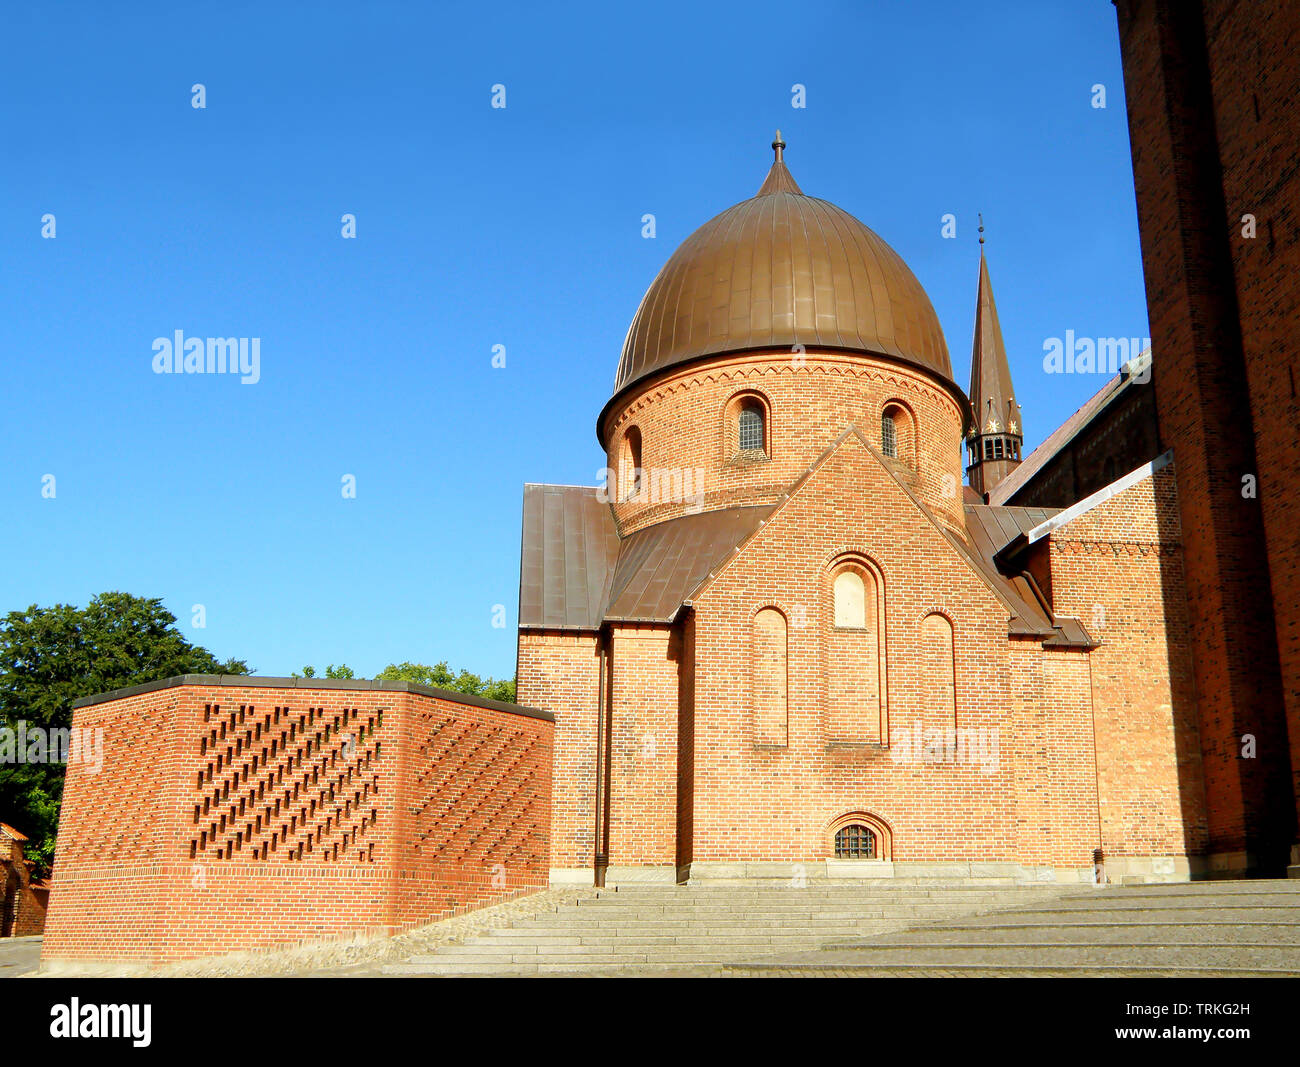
[855, 842]
[751, 429]
[889, 435]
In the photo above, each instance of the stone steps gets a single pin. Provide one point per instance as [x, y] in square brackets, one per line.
[1246, 928]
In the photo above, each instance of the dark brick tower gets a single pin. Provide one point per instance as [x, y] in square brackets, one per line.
[996, 432]
[1211, 90]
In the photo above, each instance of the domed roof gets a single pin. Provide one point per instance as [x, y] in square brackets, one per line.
[779, 269]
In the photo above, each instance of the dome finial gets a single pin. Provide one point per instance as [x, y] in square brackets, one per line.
[778, 146]
[981, 229]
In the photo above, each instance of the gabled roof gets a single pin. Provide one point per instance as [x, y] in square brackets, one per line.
[9, 832]
[1041, 456]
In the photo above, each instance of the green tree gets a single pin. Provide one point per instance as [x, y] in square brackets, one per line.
[341, 671]
[51, 656]
[440, 676]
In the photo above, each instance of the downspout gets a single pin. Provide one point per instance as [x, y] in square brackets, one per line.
[600, 839]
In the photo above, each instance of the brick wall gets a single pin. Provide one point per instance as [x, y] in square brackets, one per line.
[681, 418]
[560, 672]
[1119, 567]
[757, 801]
[235, 817]
[1211, 91]
[22, 908]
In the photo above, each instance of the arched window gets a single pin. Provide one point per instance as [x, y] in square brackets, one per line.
[889, 434]
[939, 682]
[850, 600]
[770, 676]
[855, 842]
[746, 429]
[855, 655]
[629, 474]
[751, 427]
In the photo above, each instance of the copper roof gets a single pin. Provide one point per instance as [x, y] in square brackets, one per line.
[661, 566]
[991, 529]
[780, 269]
[570, 545]
[576, 574]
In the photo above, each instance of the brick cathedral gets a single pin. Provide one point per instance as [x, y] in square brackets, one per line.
[785, 640]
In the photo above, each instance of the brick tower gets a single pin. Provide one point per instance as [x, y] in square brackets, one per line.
[1211, 88]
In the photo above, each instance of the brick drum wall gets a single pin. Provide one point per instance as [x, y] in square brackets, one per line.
[242, 816]
[682, 425]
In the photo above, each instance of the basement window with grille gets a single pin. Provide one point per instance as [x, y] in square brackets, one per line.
[855, 842]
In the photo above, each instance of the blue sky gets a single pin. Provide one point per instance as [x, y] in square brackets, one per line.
[475, 227]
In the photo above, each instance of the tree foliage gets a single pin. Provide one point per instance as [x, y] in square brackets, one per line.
[51, 656]
[440, 676]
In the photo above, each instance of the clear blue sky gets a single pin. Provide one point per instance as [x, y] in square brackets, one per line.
[476, 227]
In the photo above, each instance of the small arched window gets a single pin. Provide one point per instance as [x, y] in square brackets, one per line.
[889, 434]
[855, 842]
[630, 464]
[751, 427]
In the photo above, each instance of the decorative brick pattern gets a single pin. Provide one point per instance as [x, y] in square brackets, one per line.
[228, 818]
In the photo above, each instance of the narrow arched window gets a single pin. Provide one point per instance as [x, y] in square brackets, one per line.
[751, 428]
[855, 842]
[770, 659]
[939, 682]
[630, 464]
[850, 601]
[889, 434]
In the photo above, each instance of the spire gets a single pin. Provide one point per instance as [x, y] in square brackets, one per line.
[779, 179]
[992, 396]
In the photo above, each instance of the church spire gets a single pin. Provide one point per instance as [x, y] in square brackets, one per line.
[996, 435]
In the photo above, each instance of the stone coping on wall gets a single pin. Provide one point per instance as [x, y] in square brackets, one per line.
[249, 681]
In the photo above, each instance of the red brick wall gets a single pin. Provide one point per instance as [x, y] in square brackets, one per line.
[22, 909]
[643, 768]
[682, 424]
[230, 817]
[560, 672]
[1211, 91]
[759, 802]
[1119, 568]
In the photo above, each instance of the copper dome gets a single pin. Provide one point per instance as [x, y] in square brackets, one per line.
[782, 269]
